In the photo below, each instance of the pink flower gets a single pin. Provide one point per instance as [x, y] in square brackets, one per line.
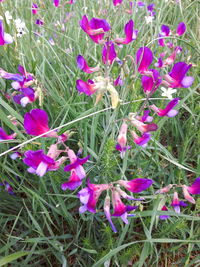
[88, 88]
[82, 64]
[142, 127]
[34, 8]
[108, 53]
[73, 182]
[5, 38]
[144, 58]
[181, 28]
[95, 28]
[164, 217]
[56, 3]
[136, 185]
[4, 136]
[107, 212]
[130, 33]
[117, 2]
[36, 123]
[122, 139]
[176, 203]
[141, 141]
[168, 110]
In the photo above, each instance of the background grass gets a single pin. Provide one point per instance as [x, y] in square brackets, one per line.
[40, 224]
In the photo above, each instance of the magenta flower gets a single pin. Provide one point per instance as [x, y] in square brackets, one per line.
[4, 136]
[118, 81]
[5, 38]
[34, 8]
[76, 164]
[130, 33]
[176, 203]
[95, 28]
[108, 53]
[122, 139]
[89, 196]
[56, 3]
[181, 29]
[142, 127]
[39, 22]
[141, 140]
[151, 83]
[36, 123]
[168, 110]
[107, 212]
[120, 209]
[145, 117]
[73, 182]
[164, 217]
[177, 77]
[8, 187]
[117, 2]
[40, 163]
[195, 187]
[144, 58]
[82, 64]
[136, 185]
[27, 96]
[86, 87]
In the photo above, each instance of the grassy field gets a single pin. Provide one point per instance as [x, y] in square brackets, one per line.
[40, 223]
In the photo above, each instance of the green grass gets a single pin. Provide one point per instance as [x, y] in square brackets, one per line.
[40, 225]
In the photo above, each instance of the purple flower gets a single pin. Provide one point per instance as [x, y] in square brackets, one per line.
[39, 22]
[40, 163]
[117, 2]
[118, 81]
[136, 185]
[195, 187]
[141, 141]
[5, 38]
[76, 163]
[82, 64]
[107, 212]
[140, 4]
[56, 3]
[8, 187]
[73, 182]
[144, 58]
[4, 136]
[34, 8]
[168, 110]
[164, 217]
[85, 87]
[151, 83]
[145, 117]
[130, 33]
[181, 29]
[176, 203]
[120, 209]
[36, 123]
[177, 77]
[95, 28]
[27, 96]
[89, 196]
[108, 53]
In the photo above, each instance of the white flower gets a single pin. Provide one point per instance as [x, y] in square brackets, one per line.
[148, 19]
[20, 27]
[8, 17]
[168, 92]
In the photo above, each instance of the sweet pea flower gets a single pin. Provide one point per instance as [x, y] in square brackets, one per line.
[176, 203]
[164, 217]
[141, 140]
[108, 53]
[117, 2]
[40, 163]
[122, 139]
[168, 110]
[27, 95]
[73, 182]
[164, 190]
[88, 88]
[120, 209]
[118, 81]
[136, 185]
[4, 136]
[130, 33]
[5, 38]
[36, 123]
[151, 83]
[195, 187]
[82, 64]
[177, 77]
[34, 8]
[145, 117]
[181, 29]
[106, 208]
[8, 187]
[95, 28]
[39, 22]
[89, 196]
[144, 58]
[76, 163]
[142, 127]
[56, 3]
